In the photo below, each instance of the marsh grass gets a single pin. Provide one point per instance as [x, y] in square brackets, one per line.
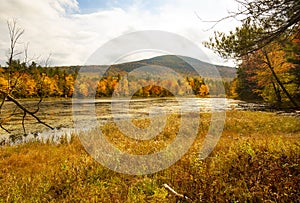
[256, 160]
[140, 147]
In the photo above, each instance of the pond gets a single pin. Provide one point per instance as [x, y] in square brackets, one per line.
[59, 113]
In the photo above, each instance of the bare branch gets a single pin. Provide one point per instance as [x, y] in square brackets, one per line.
[3, 100]
[2, 122]
[267, 20]
[9, 97]
[38, 105]
[47, 61]
[14, 33]
[26, 53]
[3, 128]
[15, 72]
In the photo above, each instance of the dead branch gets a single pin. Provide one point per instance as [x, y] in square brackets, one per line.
[25, 110]
[3, 128]
[15, 34]
[180, 196]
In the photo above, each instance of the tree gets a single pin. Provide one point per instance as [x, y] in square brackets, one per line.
[261, 73]
[263, 21]
[14, 75]
[265, 24]
[292, 50]
[274, 59]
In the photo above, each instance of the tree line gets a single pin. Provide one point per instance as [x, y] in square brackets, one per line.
[35, 81]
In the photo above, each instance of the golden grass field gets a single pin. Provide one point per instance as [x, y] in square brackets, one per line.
[256, 160]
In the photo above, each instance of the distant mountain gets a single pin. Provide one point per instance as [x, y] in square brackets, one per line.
[181, 64]
[188, 65]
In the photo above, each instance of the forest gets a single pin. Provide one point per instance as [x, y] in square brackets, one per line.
[34, 81]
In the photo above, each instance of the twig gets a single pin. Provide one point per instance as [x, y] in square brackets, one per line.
[181, 196]
[3, 128]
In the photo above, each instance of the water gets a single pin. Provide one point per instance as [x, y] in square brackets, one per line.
[59, 114]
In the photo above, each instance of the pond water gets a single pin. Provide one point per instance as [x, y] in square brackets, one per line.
[59, 113]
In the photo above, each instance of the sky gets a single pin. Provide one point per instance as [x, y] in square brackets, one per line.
[69, 31]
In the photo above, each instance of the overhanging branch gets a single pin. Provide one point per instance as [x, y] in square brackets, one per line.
[26, 111]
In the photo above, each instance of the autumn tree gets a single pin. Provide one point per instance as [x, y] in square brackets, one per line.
[245, 86]
[292, 51]
[265, 24]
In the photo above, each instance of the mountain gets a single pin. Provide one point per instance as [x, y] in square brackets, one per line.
[181, 64]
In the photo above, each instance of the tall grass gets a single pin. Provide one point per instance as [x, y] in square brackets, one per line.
[256, 160]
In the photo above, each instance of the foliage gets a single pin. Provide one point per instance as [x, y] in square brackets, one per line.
[261, 73]
[263, 22]
[60, 82]
[266, 47]
[35, 81]
[256, 160]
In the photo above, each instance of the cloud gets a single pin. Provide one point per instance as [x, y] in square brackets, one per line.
[45, 24]
[59, 27]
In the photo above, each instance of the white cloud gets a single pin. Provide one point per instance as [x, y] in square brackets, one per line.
[58, 27]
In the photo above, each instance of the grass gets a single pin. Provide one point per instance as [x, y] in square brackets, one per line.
[256, 160]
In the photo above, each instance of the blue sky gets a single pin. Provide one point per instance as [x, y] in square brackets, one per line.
[89, 6]
[71, 30]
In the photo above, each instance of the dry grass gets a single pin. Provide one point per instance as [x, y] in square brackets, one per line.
[256, 160]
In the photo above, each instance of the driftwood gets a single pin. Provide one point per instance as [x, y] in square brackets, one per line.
[178, 195]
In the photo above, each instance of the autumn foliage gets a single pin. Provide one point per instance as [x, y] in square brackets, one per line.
[36, 81]
[263, 73]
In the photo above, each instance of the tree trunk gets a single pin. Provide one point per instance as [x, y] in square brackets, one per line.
[268, 62]
[277, 93]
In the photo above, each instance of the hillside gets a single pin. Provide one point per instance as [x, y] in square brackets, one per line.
[180, 64]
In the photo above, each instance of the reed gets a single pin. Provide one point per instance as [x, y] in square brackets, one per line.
[256, 160]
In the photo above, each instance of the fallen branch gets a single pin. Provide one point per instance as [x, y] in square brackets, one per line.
[181, 196]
